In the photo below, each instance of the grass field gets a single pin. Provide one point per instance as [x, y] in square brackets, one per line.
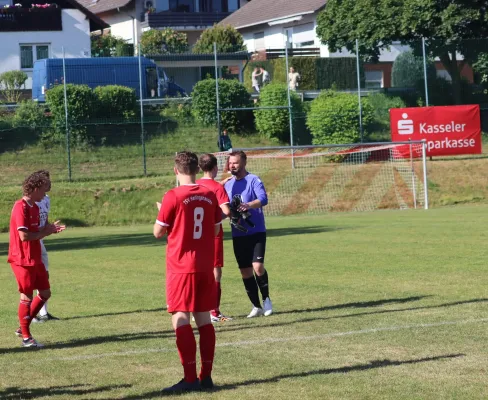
[385, 305]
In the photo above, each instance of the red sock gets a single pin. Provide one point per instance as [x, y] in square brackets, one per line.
[24, 318]
[187, 349]
[216, 312]
[36, 306]
[207, 349]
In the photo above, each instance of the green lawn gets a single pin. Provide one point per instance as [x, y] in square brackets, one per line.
[384, 305]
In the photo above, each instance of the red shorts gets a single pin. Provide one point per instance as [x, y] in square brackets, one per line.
[219, 252]
[195, 292]
[31, 278]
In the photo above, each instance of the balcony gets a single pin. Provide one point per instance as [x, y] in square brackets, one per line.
[30, 19]
[295, 52]
[184, 19]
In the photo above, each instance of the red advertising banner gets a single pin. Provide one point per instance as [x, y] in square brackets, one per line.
[449, 131]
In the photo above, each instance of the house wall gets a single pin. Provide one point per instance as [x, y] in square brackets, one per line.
[75, 37]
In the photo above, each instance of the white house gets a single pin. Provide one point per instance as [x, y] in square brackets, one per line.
[28, 34]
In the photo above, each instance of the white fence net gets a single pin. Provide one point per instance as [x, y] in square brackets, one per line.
[320, 179]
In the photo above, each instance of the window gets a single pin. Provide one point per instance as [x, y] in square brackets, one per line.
[182, 5]
[214, 5]
[259, 43]
[233, 5]
[30, 53]
[374, 79]
[304, 35]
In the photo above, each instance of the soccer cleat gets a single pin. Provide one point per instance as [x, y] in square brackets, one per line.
[31, 342]
[44, 318]
[207, 383]
[268, 307]
[255, 312]
[18, 332]
[220, 318]
[183, 386]
[37, 320]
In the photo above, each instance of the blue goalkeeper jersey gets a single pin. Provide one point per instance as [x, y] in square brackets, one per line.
[249, 188]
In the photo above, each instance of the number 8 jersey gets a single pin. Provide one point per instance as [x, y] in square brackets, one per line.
[190, 213]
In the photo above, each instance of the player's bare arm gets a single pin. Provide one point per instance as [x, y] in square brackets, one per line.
[225, 210]
[252, 204]
[49, 229]
[159, 231]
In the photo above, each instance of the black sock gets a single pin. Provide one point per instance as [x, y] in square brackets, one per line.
[252, 291]
[263, 284]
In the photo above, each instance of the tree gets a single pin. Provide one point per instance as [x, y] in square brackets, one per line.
[228, 40]
[165, 41]
[449, 26]
[110, 46]
[408, 71]
[11, 83]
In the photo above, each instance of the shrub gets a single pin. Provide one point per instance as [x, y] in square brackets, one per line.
[116, 101]
[10, 84]
[337, 72]
[82, 106]
[232, 95]
[228, 40]
[110, 46]
[167, 40]
[275, 123]
[408, 71]
[334, 118]
[381, 105]
[29, 114]
[178, 112]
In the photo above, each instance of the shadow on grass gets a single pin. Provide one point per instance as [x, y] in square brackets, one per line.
[360, 304]
[71, 390]
[147, 239]
[114, 313]
[304, 320]
[375, 364]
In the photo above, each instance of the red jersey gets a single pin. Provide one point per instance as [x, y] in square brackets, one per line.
[190, 212]
[26, 253]
[219, 192]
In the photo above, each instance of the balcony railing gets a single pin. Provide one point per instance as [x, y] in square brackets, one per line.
[173, 19]
[296, 52]
[30, 19]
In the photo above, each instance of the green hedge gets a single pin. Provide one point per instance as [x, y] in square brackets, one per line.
[316, 73]
[116, 101]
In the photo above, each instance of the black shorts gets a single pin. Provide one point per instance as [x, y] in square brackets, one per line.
[249, 249]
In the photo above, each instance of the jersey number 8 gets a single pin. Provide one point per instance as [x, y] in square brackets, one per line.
[198, 219]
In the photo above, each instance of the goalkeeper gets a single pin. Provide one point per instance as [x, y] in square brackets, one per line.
[248, 197]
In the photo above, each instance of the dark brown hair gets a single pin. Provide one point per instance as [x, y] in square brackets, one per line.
[186, 163]
[207, 162]
[239, 153]
[34, 181]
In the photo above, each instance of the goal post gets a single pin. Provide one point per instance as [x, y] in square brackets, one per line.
[345, 177]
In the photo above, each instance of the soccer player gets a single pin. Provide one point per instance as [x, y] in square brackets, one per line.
[250, 246]
[44, 208]
[208, 164]
[191, 217]
[24, 253]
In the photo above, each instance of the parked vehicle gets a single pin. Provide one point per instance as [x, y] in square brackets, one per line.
[103, 71]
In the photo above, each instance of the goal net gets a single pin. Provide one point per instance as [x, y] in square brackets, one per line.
[319, 179]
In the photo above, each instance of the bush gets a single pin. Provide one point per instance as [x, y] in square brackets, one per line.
[116, 101]
[29, 114]
[337, 72]
[381, 105]
[167, 40]
[334, 118]
[228, 40]
[232, 95]
[276, 123]
[408, 71]
[110, 46]
[82, 106]
[10, 84]
[180, 113]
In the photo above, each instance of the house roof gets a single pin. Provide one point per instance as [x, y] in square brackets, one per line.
[100, 6]
[96, 23]
[259, 12]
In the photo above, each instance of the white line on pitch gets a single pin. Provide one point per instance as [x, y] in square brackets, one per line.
[274, 340]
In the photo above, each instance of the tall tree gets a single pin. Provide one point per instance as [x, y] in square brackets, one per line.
[450, 27]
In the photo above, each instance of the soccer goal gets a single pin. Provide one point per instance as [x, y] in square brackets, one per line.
[349, 177]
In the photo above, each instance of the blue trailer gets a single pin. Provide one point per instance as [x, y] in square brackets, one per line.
[103, 71]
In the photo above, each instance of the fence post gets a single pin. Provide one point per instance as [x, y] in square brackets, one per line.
[425, 73]
[141, 97]
[424, 164]
[217, 92]
[289, 104]
[359, 92]
[68, 145]
[414, 189]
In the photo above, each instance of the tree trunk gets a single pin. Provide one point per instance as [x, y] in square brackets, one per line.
[450, 63]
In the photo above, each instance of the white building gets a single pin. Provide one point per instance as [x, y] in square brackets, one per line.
[29, 34]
